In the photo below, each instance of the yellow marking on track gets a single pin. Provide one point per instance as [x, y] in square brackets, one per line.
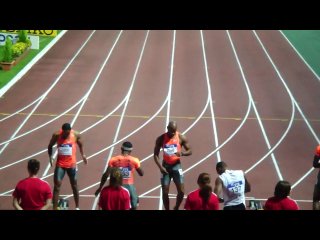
[160, 116]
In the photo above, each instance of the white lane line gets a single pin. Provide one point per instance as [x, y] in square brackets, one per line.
[215, 131]
[46, 93]
[88, 92]
[169, 98]
[254, 107]
[302, 58]
[277, 144]
[123, 113]
[31, 63]
[302, 178]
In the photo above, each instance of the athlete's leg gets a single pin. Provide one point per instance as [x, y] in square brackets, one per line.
[316, 194]
[133, 195]
[165, 184]
[58, 176]
[72, 173]
[178, 179]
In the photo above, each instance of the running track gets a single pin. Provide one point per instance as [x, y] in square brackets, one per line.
[242, 97]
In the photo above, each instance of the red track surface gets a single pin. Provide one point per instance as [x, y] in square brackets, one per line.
[150, 80]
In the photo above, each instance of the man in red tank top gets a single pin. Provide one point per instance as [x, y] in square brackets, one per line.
[171, 142]
[66, 140]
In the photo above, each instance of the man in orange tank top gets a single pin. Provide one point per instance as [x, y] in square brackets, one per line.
[171, 142]
[66, 140]
[316, 192]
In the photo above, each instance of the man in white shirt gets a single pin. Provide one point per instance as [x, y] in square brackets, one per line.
[233, 184]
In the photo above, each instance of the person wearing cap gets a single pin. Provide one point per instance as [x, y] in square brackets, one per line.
[32, 193]
[66, 139]
[171, 142]
[316, 192]
[127, 164]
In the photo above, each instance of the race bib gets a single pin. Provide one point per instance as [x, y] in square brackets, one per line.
[65, 149]
[170, 149]
[235, 187]
[126, 172]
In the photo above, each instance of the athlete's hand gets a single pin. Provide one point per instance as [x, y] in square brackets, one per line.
[179, 154]
[51, 161]
[97, 192]
[84, 157]
[163, 170]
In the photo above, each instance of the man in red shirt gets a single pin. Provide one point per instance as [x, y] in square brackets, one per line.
[66, 140]
[114, 196]
[171, 142]
[281, 199]
[316, 192]
[32, 193]
[202, 198]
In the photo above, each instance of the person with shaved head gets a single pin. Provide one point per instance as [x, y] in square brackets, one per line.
[171, 143]
[233, 184]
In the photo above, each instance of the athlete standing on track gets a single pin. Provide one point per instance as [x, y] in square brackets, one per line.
[66, 140]
[171, 142]
[316, 192]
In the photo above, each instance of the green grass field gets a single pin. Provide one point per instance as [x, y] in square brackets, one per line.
[307, 42]
[6, 76]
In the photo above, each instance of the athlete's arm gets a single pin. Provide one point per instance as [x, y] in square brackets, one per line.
[316, 161]
[103, 180]
[247, 186]
[218, 187]
[140, 171]
[52, 142]
[80, 144]
[185, 143]
[156, 152]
